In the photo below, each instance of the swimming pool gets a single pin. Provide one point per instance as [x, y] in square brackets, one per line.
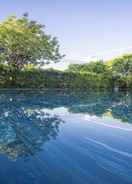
[60, 137]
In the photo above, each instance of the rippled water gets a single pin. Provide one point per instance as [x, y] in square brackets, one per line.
[58, 137]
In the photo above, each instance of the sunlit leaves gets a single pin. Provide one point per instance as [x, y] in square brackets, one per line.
[25, 42]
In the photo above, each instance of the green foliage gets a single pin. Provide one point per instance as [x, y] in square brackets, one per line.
[97, 67]
[25, 42]
[122, 65]
[122, 71]
[24, 45]
[39, 78]
[76, 77]
[115, 73]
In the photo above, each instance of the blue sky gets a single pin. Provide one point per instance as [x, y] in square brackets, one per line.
[85, 28]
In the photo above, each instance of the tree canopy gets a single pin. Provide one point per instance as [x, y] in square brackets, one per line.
[123, 65]
[23, 42]
[92, 67]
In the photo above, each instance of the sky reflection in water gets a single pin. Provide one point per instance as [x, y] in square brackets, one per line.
[60, 137]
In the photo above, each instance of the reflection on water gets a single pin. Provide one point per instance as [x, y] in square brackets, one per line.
[24, 128]
[91, 133]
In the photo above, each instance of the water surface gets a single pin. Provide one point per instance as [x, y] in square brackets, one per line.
[58, 137]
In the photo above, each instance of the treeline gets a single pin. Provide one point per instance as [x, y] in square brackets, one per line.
[116, 73]
[24, 44]
[39, 78]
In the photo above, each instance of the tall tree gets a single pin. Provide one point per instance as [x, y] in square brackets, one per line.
[23, 42]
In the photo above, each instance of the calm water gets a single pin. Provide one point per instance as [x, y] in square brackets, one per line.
[56, 137]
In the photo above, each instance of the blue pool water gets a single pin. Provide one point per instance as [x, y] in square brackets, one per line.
[59, 137]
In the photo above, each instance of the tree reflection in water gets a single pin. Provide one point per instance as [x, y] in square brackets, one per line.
[23, 129]
[25, 126]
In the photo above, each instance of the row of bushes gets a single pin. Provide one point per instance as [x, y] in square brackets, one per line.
[37, 78]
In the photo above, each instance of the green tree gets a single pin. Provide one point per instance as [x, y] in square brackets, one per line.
[24, 42]
[98, 67]
[95, 67]
[122, 65]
